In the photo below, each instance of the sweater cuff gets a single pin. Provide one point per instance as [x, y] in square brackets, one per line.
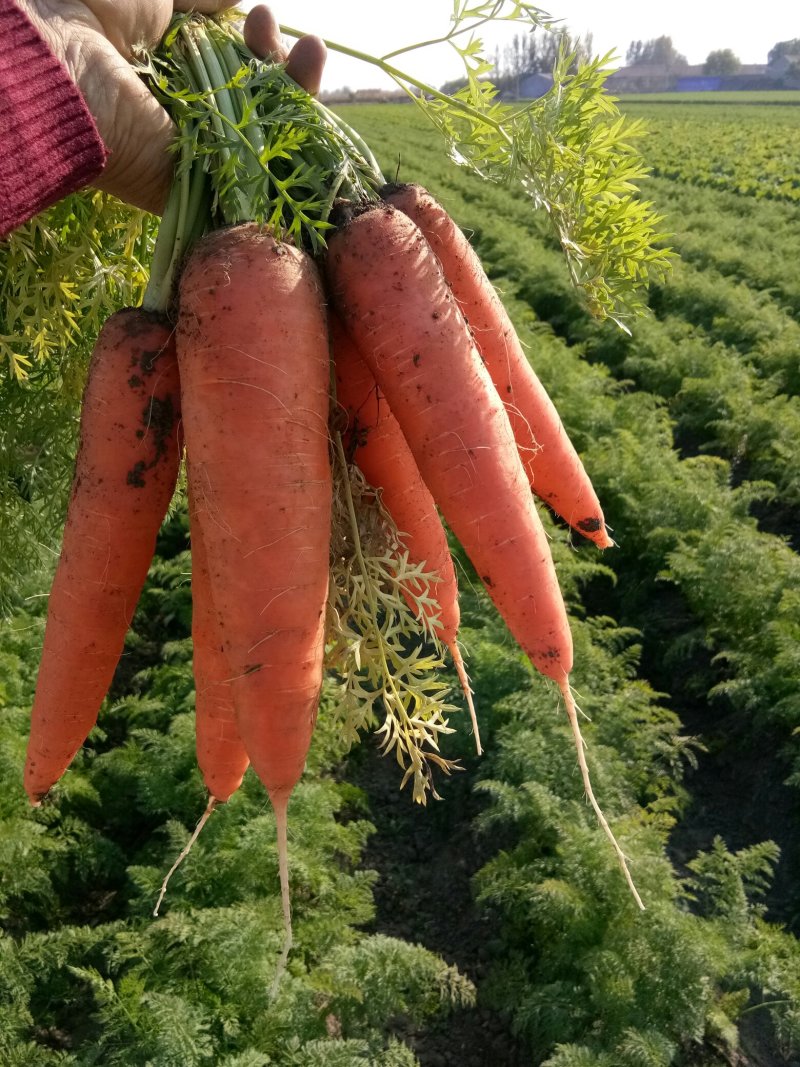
[49, 144]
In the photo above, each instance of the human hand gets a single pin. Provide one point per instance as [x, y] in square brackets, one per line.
[96, 39]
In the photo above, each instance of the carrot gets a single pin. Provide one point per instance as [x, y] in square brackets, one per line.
[554, 469]
[125, 476]
[396, 303]
[375, 441]
[221, 756]
[254, 364]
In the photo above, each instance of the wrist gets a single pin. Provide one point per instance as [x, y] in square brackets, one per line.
[50, 142]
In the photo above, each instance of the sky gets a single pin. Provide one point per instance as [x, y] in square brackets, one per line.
[696, 27]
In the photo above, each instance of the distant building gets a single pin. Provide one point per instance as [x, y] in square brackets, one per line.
[704, 84]
[659, 78]
[643, 78]
[524, 86]
[532, 86]
[785, 65]
[787, 68]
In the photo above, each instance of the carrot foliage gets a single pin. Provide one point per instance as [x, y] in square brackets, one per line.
[571, 153]
[388, 658]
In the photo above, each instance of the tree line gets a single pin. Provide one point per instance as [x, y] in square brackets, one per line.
[536, 53]
[660, 51]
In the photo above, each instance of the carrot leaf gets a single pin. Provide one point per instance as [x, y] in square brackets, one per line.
[571, 153]
[386, 655]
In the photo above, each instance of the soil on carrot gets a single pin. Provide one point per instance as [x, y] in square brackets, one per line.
[425, 859]
[158, 423]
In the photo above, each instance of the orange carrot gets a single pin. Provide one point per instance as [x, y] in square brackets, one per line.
[395, 301]
[221, 755]
[125, 476]
[554, 469]
[376, 443]
[253, 354]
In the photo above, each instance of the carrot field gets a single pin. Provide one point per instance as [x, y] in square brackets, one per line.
[493, 926]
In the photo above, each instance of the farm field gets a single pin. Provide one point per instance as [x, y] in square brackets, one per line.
[761, 96]
[742, 148]
[494, 926]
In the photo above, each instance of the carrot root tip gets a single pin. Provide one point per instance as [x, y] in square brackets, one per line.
[280, 805]
[580, 745]
[212, 803]
[466, 689]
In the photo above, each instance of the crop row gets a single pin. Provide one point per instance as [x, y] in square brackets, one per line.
[752, 151]
[749, 241]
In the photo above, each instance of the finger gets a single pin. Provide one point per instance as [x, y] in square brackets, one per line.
[262, 34]
[205, 7]
[306, 62]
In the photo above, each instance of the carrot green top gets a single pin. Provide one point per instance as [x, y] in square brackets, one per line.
[275, 155]
[253, 146]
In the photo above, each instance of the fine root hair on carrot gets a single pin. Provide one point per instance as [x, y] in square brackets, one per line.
[280, 806]
[187, 848]
[580, 747]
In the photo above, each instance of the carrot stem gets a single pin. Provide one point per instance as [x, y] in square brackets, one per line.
[184, 220]
[212, 803]
[234, 204]
[154, 297]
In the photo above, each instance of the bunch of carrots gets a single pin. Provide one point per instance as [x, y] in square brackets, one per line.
[277, 359]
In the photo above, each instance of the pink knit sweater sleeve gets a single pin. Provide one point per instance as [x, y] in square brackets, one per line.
[49, 144]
